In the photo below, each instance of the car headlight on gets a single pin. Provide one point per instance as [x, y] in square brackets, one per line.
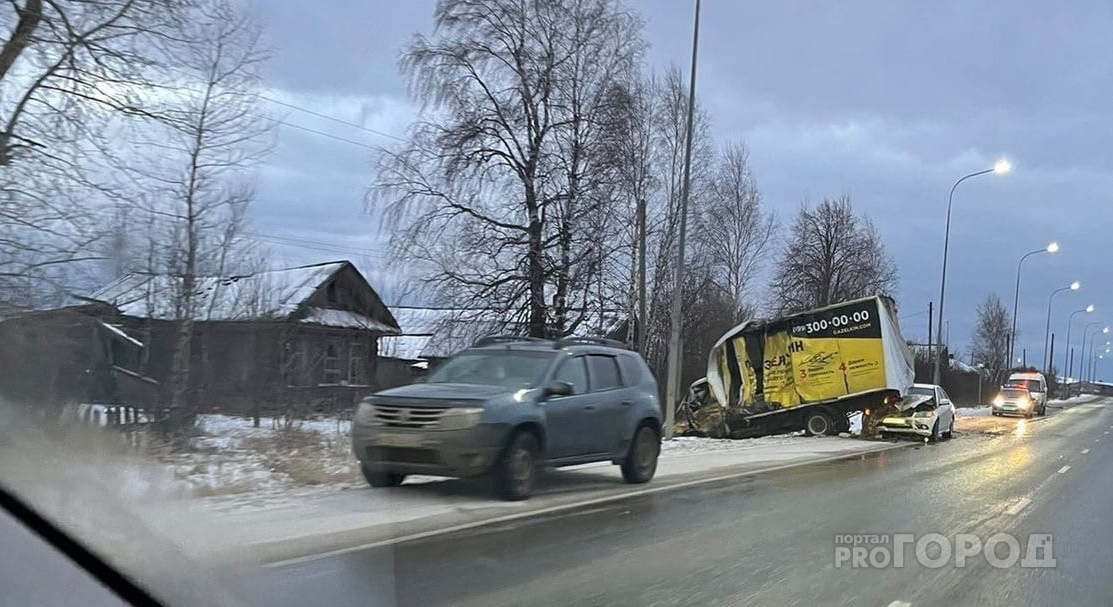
[460, 418]
[1024, 404]
[999, 401]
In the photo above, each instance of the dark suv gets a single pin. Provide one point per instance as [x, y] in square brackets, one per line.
[508, 405]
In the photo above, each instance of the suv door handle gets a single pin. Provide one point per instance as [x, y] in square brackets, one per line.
[589, 407]
[627, 403]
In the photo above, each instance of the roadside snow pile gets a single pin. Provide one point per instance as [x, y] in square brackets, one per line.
[1075, 400]
[230, 455]
[972, 411]
[690, 445]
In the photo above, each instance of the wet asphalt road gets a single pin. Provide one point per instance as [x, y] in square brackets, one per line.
[770, 539]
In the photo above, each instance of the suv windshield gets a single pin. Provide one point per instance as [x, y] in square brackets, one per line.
[510, 368]
[1031, 385]
[921, 391]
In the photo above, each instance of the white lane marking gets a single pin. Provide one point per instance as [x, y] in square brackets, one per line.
[1106, 432]
[1064, 469]
[1018, 506]
[900, 604]
[1085, 451]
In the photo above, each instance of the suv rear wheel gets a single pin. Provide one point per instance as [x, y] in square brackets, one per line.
[641, 461]
[380, 478]
[516, 470]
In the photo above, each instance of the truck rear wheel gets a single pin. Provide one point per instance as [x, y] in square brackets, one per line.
[819, 423]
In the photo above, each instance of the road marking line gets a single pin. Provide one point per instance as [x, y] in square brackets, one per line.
[900, 604]
[559, 508]
[1018, 506]
[1085, 451]
[1064, 469]
[1106, 432]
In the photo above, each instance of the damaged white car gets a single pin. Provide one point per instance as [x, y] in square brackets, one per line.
[926, 411]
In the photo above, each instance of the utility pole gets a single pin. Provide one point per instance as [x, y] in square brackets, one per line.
[672, 391]
[642, 305]
[931, 352]
[1047, 370]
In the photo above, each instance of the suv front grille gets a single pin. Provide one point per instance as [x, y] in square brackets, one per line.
[394, 416]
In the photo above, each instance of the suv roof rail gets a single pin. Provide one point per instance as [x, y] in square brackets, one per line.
[588, 341]
[505, 339]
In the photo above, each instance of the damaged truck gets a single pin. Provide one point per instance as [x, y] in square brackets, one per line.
[810, 371]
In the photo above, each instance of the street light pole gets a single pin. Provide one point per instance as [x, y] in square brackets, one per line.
[1051, 248]
[1001, 167]
[1082, 350]
[1074, 286]
[1066, 361]
[1085, 334]
[672, 388]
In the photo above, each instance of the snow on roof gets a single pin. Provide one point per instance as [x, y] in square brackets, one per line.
[118, 332]
[270, 294]
[961, 366]
[403, 347]
[344, 318]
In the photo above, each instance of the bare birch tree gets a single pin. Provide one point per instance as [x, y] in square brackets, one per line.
[991, 336]
[735, 229]
[500, 197]
[67, 72]
[831, 255]
[202, 179]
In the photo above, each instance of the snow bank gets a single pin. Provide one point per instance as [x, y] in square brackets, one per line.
[972, 411]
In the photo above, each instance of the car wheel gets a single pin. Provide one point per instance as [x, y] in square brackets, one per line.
[818, 424]
[516, 470]
[950, 431]
[379, 478]
[641, 462]
[934, 438]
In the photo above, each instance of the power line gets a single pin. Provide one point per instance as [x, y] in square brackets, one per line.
[316, 245]
[323, 134]
[332, 118]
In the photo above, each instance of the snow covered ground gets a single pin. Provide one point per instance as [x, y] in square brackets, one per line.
[229, 455]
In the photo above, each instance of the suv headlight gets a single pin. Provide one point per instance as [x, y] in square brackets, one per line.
[365, 413]
[459, 418]
[924, 414]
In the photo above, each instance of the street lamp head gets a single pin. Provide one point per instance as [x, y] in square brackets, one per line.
[1074, 286]
[1053, 247]
[1002, 167]
[1105, 330]
[1090, 308]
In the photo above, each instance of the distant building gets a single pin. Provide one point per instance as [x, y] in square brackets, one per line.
[303, 337]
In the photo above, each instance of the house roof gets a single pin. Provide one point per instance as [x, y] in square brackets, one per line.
[269, 295]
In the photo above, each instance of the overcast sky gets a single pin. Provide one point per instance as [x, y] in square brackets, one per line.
[889, 102]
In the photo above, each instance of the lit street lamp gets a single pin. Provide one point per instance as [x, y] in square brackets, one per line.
[1051, 248]
[1001, 167]
[1085, 333]
[1074, 286]
[1068, 361]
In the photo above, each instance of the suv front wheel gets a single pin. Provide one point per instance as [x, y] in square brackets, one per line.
[641, 462]
[516, 469]
[379, 478]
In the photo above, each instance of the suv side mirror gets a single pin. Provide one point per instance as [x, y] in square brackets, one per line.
[559, 388]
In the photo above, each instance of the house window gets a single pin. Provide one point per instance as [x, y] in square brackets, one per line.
[357, 363]
[332, 365]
